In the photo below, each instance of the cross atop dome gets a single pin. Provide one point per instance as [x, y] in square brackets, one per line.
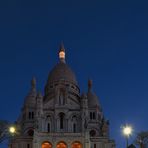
[62, 53]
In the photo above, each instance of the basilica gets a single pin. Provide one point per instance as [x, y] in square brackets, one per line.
[62, 117]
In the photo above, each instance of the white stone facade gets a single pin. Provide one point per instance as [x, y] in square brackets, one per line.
[62, 117]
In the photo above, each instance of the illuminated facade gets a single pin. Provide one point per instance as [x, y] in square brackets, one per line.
[62, 117]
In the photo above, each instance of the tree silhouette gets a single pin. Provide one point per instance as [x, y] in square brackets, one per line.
[3, 129]
[142, 139]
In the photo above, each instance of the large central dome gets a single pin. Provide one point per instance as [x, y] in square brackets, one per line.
[62, 72]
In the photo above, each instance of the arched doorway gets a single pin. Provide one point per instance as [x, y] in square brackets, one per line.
[46, 145]
[30, 132]
[92, 133]
[61, 145]
[76, 145]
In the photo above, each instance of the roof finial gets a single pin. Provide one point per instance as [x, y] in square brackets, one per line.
[33, 83]
[62, 53]
[89, 84]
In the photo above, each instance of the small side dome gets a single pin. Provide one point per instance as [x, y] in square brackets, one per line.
[30, 99]
[92, 98]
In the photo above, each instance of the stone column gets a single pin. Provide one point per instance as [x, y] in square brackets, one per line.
[87, 140]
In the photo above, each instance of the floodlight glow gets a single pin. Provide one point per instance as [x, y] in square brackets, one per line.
[127, 130]
[62, 55]
[12, 130]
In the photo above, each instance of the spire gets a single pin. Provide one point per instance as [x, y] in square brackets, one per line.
[31, 96]
[89, 85]
[33, 84]
[62, 53]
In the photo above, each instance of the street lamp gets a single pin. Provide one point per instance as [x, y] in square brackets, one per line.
[6, 130]
[127, 131]
[12, 130]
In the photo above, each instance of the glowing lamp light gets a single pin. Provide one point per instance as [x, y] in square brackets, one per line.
[127, 130]
[62, 55]
[12, 130]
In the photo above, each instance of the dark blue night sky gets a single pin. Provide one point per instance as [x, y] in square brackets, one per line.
[106, 41]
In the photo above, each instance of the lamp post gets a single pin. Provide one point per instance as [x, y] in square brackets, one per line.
[127, 131]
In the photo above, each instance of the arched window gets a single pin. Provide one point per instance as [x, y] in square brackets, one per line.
[61, 145]
[61, 115]
[48, 123]
[48, 127]
[74, 128]
[76, 145]
[94, 115]
[75, 124]
[95, 146]
[61, 98]
[46, 145]
[91, 115]
[30, 132]
[92, 133]
[29, 115]
[32, 115]
[28, 145]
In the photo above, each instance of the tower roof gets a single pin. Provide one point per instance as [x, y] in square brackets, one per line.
[92, 97]
[30, 99]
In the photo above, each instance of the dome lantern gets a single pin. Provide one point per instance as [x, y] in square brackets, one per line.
[62, 53]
